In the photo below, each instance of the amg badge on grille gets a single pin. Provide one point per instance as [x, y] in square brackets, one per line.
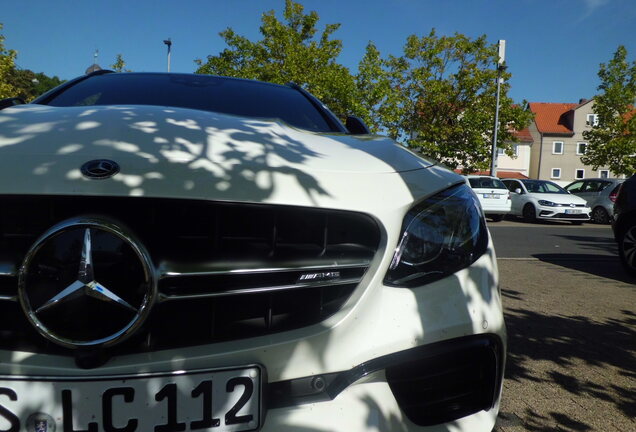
[319, 276]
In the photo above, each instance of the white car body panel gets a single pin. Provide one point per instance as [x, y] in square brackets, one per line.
[180, 153]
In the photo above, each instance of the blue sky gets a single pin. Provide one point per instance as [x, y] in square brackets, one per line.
[554, 47]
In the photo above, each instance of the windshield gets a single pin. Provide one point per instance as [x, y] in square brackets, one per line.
[541, 186]
[202, 92]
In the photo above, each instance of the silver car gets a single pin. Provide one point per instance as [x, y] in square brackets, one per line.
[600, 194]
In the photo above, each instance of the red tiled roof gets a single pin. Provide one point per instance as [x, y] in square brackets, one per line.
[500, 174]
[511, 174]
[549, 117]
[523, 135]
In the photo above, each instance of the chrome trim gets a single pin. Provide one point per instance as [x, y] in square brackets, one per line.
[165, 272]
[8, 269]
[87, 222]
[13, 298]
[130, 375]
[165, 297]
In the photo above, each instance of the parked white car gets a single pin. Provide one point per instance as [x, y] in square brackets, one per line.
[493, 196]
[542, 199]
[185, 252]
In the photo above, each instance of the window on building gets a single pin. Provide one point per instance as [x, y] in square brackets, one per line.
[579, 174]
[515, 150]
[580, 148]
[603, 173]
[557, 147]
[592, 120]
[556, 173]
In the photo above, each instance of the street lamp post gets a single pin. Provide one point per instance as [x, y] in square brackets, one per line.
[500, 67]
[169, 43]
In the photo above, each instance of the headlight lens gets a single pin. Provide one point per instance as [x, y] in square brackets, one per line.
[547, 203]
[440, 236]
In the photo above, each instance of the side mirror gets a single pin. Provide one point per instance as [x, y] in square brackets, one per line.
[518, 191]
[9, 102]
[356, 126]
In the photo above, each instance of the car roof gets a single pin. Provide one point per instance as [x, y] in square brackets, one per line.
[610, 180]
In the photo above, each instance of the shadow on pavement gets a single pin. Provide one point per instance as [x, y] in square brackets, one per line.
[565, 342]
[598, 244]
[607, 267]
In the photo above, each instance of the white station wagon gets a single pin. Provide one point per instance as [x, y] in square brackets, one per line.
[196, 253]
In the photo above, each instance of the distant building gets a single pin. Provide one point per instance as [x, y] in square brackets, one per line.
[93, 68]
[558, 143]
[519, 165]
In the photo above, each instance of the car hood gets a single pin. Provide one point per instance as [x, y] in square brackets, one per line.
[165, 151]
[559, 198]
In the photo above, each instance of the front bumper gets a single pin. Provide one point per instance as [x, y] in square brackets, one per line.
[429, 385]
[563, 213]
[383, 337]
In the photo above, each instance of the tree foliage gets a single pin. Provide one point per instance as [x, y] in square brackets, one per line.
[7, 65]
[439, 97]
[612, 142]
[23, 83]
[119, 65]
[291, 50]
[28, 84]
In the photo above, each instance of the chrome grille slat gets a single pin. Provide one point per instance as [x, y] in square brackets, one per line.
[164, 297]
[8, 269]
[166, 271]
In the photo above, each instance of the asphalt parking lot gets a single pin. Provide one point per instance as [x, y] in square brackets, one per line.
[571, 318]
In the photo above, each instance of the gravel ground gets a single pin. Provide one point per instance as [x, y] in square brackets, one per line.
[572, 346]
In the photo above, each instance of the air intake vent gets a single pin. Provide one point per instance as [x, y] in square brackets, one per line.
[451, 383]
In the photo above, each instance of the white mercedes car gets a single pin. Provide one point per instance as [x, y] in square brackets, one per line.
[542, 199]
[197, 253]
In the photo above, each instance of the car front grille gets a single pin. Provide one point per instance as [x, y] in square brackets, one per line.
[584, 216]
[224, 270]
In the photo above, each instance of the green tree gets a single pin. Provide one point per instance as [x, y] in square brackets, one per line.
[28, 84]
[380, 104]
[290, 51]
[119, 65]
[439, 98]
[7, 65]
[612, 142]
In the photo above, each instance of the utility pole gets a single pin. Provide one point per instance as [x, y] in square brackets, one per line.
[169, 43]
[500, 67]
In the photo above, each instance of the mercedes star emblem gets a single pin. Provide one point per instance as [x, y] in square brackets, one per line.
[100, 169]
[86, 283]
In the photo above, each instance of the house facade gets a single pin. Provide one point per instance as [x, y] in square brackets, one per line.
[519, 165]
[558, 143]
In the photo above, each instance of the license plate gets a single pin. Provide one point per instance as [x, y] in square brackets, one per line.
[491, 195]
[572, 211]
[220, 400]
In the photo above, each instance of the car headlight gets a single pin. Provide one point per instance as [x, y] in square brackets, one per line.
[441, 235]
[547, 203]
